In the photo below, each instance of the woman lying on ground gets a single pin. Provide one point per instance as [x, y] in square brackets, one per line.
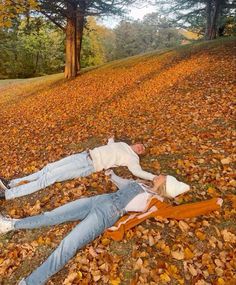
[96, 214]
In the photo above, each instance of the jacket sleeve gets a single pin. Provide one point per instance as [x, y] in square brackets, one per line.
[119, 181]
[135, 168]
[159, 210]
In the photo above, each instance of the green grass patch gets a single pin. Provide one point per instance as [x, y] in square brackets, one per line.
[15, 89]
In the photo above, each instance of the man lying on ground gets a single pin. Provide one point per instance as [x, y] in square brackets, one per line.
[113, 154]
[95, 214]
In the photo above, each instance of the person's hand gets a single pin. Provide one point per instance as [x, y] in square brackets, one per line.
[156, 177]
[159, 180]
[219, 202]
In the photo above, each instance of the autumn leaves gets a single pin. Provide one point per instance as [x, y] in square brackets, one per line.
[184, 110]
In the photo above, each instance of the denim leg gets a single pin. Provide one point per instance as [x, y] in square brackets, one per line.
[86, 231]
[30, 177]
[73, 211]
[102, 215]
[76, 168]
[45, 169]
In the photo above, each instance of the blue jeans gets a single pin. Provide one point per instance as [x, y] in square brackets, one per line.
[96, 214]
[73, 166]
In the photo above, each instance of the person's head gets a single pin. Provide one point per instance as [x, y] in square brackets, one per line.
[138, 148]
[168, 186]
[159, 186]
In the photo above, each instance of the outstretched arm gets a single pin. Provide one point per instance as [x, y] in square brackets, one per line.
[117, 180]
[137, 170]
[163, 210]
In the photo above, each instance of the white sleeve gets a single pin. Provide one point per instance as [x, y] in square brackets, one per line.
[110, 140]
[136, 170]
[119, 181]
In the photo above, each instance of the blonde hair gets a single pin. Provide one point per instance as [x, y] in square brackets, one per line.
[161, 190]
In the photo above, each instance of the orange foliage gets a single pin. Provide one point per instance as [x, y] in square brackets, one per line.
[181, 105]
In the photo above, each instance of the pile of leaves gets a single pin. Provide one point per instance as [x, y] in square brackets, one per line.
[181, 105]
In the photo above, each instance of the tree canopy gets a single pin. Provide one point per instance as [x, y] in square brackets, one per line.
[208, 17]
[70, 16]
[153, 32]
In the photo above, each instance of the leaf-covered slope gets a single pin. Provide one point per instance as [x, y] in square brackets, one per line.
[180, 103]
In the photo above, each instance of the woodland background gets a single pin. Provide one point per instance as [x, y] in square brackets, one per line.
[35, 35]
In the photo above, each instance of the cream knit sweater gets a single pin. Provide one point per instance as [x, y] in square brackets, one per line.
[116, 154]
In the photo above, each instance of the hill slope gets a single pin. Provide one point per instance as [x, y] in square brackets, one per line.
[180, 103]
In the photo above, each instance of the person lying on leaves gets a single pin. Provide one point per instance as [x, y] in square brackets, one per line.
[96, 214]
[78, 165]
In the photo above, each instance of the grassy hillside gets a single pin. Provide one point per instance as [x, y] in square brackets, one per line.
[180, 103]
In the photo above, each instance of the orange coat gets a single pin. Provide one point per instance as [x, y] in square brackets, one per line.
[158, 209]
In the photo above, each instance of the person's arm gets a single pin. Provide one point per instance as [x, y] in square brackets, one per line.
[135, 168]
[111, 140]
[117, 180]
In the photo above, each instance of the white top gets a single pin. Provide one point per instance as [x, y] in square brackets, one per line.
[116, 154]
[139, 202]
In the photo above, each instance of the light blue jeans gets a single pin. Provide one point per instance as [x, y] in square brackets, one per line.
[73, 166]
[96, 214]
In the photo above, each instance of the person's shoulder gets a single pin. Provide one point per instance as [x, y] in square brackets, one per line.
[133, 158]
[121, 144]
[124, 143]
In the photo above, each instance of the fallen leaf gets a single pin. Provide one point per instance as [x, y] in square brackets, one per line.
[178, 254]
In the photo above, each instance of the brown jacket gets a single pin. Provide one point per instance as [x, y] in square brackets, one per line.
[158, 209]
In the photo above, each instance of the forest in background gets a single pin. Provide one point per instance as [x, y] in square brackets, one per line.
[35, 47]
[45, 37]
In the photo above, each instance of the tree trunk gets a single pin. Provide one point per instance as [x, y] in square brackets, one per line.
[71, 50]
[215, 18]
[221, 30]
[208, 18]
[36, 63]
[213, 14]
[80, 29]
[221, 25]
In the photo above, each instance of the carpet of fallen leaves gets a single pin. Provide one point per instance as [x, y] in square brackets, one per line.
[180, 103]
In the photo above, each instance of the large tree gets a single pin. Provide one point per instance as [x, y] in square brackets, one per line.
[207, 16]
[70, 16]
